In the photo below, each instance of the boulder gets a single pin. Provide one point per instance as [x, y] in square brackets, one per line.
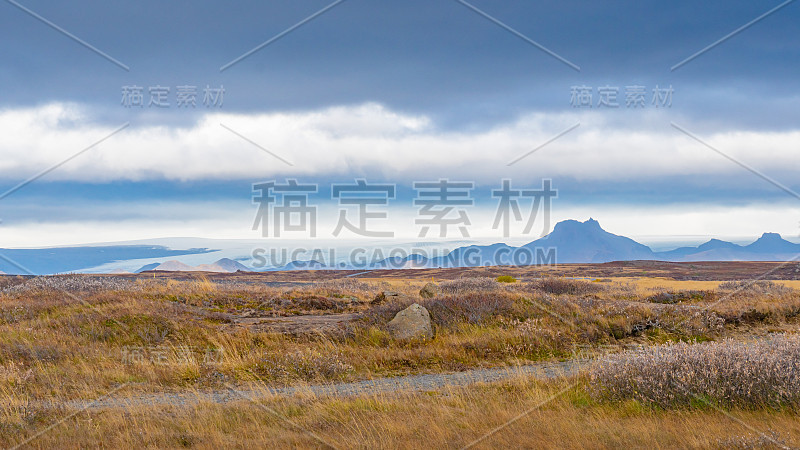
[413, 322]
[429, 290]
[380, 298]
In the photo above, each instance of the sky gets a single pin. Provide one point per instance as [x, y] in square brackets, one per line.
[397, 92]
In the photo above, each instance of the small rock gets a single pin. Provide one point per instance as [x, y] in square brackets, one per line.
[429, 290]
[413, 322]
[380, 298]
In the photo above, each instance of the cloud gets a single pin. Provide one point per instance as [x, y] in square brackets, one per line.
[372, 140]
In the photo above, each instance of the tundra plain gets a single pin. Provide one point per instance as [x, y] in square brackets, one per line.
[632, 354]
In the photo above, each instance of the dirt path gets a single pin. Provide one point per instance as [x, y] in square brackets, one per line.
[409, 383]
[128, 397]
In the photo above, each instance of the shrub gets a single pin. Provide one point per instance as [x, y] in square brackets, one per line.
[473, 308]
[462, 285]
[506, 279]
[346, 287]
[316, 302]
[560, 286]
[759, 310]
[307, 365]
[681, 296]
[69, 283]
[446, 311]
[379, 315]
[732, 374]
[760, 287]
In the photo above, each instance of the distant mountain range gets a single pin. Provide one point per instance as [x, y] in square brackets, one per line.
[225, 265]
[587, 242]
[570, 241]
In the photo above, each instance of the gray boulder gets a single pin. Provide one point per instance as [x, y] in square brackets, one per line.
[413, 322]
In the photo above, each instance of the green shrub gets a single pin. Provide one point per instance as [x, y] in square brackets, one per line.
[506, 279]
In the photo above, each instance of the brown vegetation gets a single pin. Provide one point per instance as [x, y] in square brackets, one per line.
[765, 373]
[76, 337]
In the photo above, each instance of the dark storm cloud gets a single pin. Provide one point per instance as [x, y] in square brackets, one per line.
[434, 57]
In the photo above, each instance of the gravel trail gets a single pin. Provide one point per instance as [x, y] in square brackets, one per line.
[401, 384]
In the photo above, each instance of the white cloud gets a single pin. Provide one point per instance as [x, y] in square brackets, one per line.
[371, 139]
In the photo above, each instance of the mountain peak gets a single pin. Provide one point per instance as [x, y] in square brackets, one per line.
[587, 242]
[773, 243]
[717, 244]
[571, 224]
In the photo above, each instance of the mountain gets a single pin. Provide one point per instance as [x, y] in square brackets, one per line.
[587, 242]
[772, 243]
[714, 245]
[224, 265]
[147, 267]
[303, 265]
[475, 255]
[769, 247]
[232, 266]
[175, 266]
[572, 241]
[717, 245]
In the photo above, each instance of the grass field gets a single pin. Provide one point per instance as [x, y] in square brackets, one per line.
[449, 419]
[659, 357]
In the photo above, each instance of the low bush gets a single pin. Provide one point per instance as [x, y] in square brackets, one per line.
[669, 298]
[731, 374]
[472, 308]
[308, 365]
[757, 310]
[462, 285]
[561, 286]
[760, 287]
[69, 283]
[316, 302]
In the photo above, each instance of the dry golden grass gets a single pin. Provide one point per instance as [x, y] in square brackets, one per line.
[80, 345]
[642, 284]
[449, 419]
[667, 283]
[56, 347]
